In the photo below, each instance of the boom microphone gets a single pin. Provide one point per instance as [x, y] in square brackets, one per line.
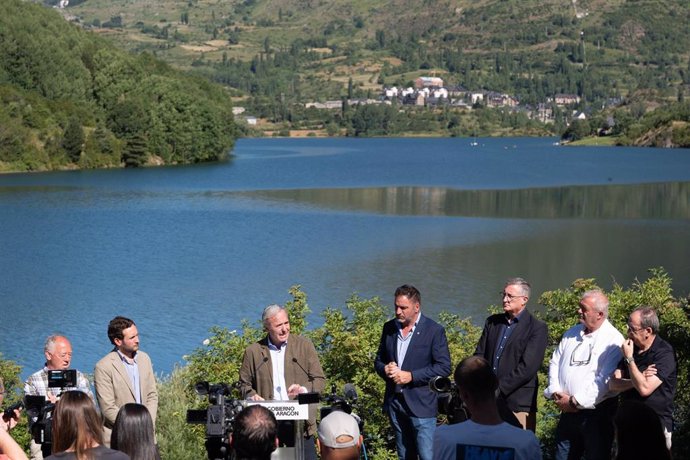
[309, 376]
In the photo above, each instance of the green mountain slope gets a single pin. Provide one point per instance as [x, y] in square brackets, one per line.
[532, 48]
[280, 54]
[70, 99]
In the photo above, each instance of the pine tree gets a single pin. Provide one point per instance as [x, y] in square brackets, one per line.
[73, 139]
[134, 154]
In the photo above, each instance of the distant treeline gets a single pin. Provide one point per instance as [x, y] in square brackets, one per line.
[667, 126]
[70, 99]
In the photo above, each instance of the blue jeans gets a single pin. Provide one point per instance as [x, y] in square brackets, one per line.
[413, 435]
[587, 433]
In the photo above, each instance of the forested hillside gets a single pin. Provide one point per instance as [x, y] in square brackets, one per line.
[321, 66]
[629, 56]
[70, 99]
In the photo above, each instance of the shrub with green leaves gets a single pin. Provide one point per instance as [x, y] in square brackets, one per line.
[10, 373]
[348, 339]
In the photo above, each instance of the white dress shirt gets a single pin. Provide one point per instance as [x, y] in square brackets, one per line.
[278, 364]
[582, 364]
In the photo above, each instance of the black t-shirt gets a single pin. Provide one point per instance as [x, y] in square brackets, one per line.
[661, 400]
[99, 453]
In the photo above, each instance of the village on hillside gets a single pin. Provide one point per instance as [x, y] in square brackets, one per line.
[431, 92]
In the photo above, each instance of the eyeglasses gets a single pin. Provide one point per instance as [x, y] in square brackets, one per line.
[504, 294]
[62, 355]
[634, 329]
[579, 361]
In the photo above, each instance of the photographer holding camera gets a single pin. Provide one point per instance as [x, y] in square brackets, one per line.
[58, 354]
[10, 416]
[9, 449]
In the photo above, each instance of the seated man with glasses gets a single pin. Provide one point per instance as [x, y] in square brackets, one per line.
[579, 373]
[58, 354]
[514, 343]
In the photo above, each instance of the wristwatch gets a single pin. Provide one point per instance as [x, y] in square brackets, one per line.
[628, 359]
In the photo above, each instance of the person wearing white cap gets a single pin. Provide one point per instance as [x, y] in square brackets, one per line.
[339, 437]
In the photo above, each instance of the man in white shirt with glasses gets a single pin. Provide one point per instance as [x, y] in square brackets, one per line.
[579, 372]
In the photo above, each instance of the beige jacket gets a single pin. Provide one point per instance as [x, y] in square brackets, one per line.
[114, 387]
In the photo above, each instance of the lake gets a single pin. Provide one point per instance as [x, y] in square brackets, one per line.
[180, 249]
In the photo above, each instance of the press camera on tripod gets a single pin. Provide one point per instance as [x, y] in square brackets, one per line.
[218, 417]
[344, 403]
[40, 411]
[450, 404]
[449, 401]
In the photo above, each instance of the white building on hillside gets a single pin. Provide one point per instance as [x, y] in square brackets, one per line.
[426, 82]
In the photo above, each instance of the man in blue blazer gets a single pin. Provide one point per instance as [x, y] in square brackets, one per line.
[413, 350]
[514, 342]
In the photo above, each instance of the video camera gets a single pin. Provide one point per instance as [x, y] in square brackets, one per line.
[345, 403]
[40, 411]
[449, 402]
[218, 417]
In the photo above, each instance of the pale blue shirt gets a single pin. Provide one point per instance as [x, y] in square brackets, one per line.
[278, 364]
[132, 369]
[404, 342]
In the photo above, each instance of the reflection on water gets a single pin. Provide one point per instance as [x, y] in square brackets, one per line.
[181, 249]
[642, 201]
[23, 189]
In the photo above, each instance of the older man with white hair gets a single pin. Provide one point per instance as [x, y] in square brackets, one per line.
[579, 374]
[281, 366]
[58, 354]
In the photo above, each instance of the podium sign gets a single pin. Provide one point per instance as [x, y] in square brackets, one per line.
[285, 410]
[289, 414]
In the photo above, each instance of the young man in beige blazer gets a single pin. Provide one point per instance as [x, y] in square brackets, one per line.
[125, 375]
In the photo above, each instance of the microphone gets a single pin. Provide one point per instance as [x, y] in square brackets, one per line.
[350, 392]
[309, 376]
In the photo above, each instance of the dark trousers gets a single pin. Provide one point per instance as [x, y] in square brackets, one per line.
[587, 433]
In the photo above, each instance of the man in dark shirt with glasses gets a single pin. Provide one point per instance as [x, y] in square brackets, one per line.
[648, 370]
[514, 342]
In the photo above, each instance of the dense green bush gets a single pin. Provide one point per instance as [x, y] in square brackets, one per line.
[348, 339]
[347, 342]
[10, 373]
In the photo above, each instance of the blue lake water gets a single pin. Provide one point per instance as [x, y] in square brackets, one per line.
[180, 249]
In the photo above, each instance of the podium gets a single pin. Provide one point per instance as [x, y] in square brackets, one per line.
[290, 416]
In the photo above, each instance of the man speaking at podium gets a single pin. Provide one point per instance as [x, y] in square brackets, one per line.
[280, 366]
